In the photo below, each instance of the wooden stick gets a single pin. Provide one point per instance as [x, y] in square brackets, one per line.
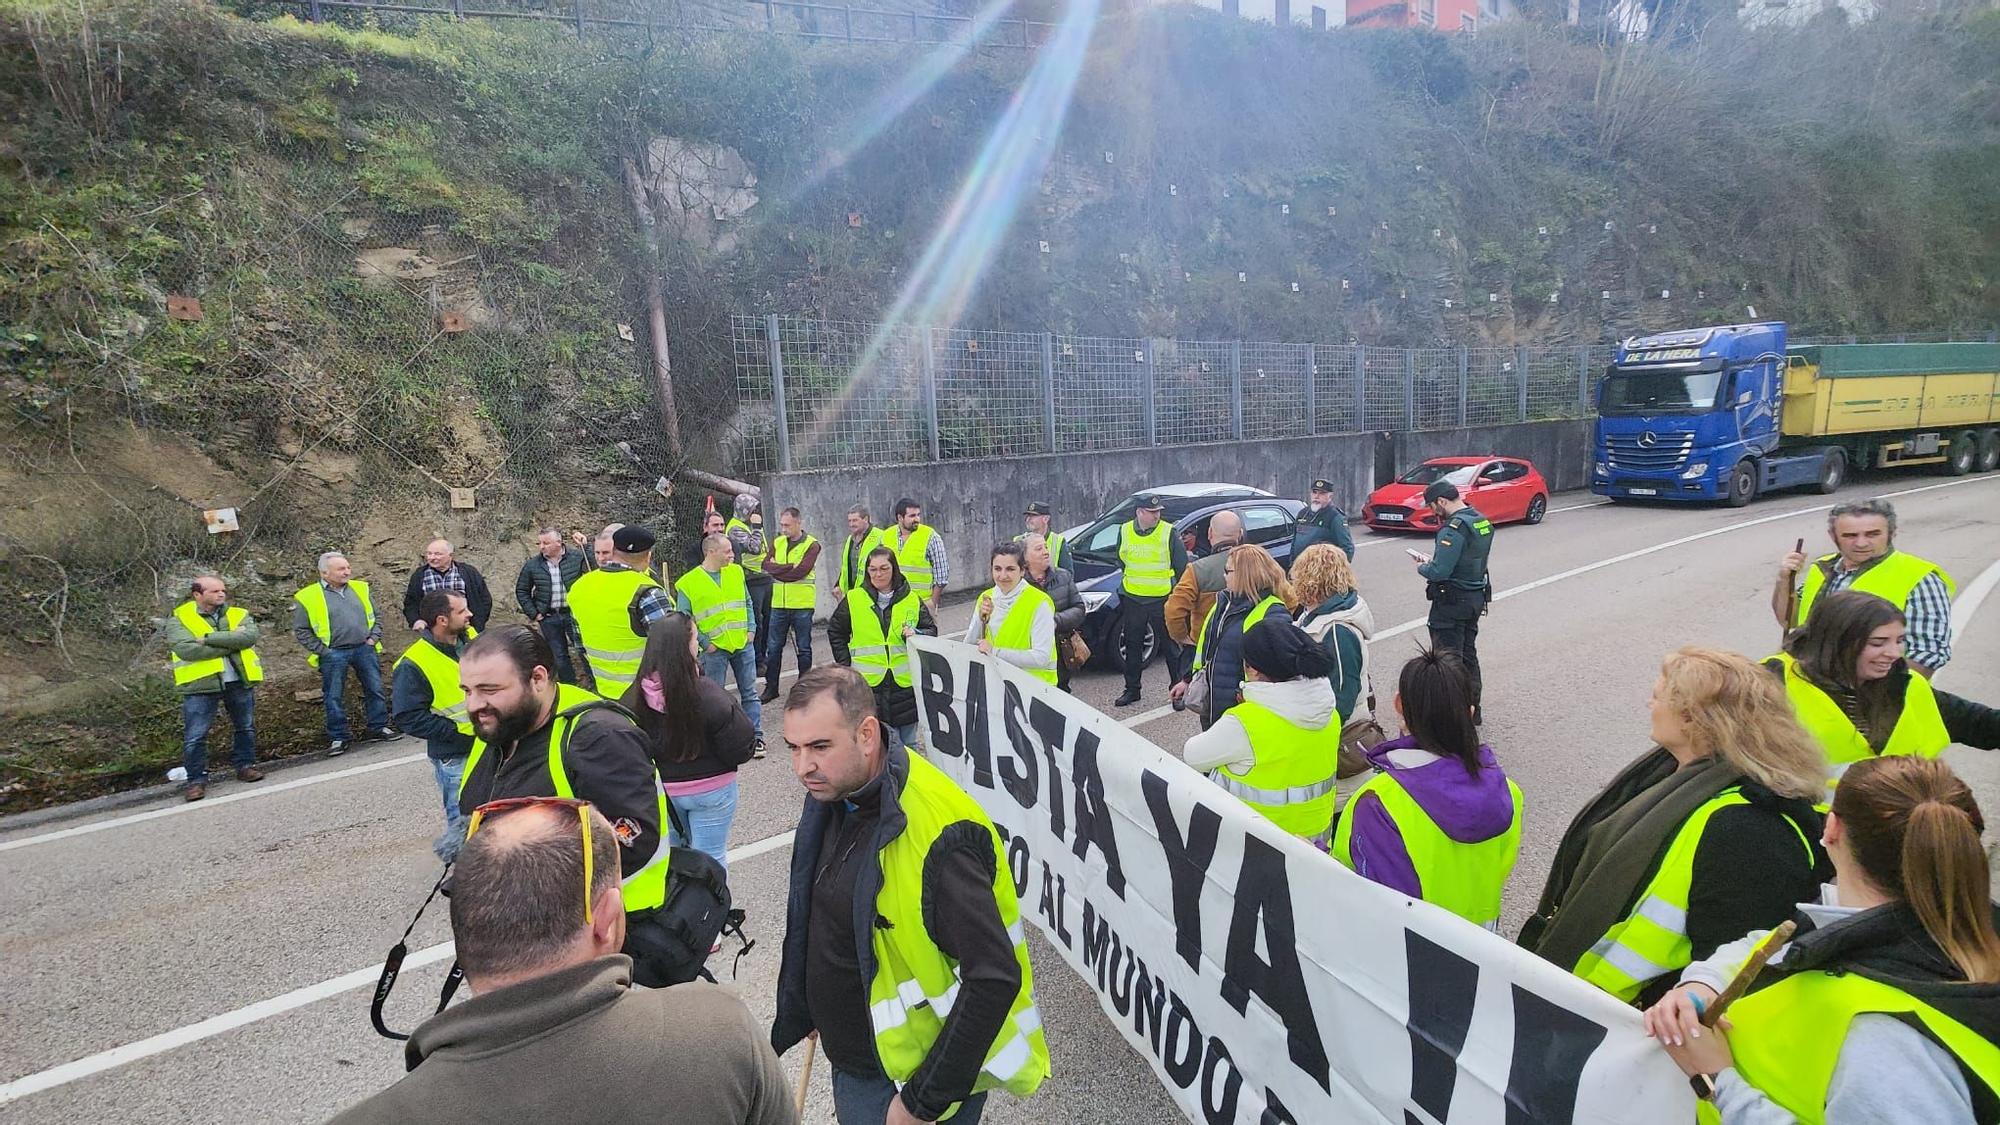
[1791, 598]
[1747, 975]
[805, 1072]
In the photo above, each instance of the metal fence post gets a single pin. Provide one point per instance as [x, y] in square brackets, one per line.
[1151, 351]
[579, 19]
[771, 335]
[312, 11]
[930, 395]
[1464, 384]
[848, 14]
[1049, 389]
[1409, 388]
[1236, 389]
[1360, 388]
[1583, 380]
[1521, 369]
[1312, 389]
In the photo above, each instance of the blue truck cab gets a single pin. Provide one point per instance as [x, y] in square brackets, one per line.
[1694, 416]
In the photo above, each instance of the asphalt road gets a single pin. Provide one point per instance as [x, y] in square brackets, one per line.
[214, 962]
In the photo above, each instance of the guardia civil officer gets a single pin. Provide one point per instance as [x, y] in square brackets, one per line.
[903, 942]
[1456, 580]
[1320, 521]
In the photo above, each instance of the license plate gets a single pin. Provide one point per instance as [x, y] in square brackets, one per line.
[1643, 491]
[1389, 517]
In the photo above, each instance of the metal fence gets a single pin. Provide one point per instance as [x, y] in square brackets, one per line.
[814, 393]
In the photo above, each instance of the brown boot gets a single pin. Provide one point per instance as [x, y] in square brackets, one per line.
[196, 792]
[249, 773]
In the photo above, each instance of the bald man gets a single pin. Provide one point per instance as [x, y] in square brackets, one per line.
[442, 571]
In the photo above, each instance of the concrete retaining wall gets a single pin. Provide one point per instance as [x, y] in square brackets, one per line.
[1561, 449]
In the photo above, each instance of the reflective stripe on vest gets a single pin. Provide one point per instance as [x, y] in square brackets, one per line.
[792, 595]
[1787, 1037]
[913, 557]
[440, 670]
[1017, 629]
[915, 985]
[1893, 577]
[188, 671]
[1250, 619]
[752, 563]
[854, 570]
[1466, 879]
[313, 599]
[601, 602]
[871, 650]
[1291, 780]
[1652, 941]
[1919, 733]
[1148, 560]
[721, 605]
[646, 888]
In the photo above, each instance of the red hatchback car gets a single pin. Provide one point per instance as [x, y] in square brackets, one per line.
[1504, 489]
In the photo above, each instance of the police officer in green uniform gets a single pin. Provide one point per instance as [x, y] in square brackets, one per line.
[1320, 522]
[1456, 580]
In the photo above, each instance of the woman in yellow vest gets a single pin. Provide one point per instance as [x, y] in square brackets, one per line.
[1851, 688]
[1710, 834]
[1439, 821]
[870, 631]
[1254, 589]
[1885, 1007]
[1015, 620]
[1278, 749]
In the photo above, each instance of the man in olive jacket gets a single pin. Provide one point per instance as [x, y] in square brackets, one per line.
[213, 650]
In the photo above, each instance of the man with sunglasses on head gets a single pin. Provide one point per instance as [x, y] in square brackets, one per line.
[554, 1030]
[542, 738]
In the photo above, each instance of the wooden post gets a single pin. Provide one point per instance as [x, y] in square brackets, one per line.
[656, 310]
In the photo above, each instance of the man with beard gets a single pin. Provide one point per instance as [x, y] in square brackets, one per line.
[542, 738]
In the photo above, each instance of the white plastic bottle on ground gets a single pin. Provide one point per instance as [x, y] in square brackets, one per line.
[177, 775]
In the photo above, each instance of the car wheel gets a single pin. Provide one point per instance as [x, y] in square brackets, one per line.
[1112, 652]
[1742, 484]
[1962, 455]
[1832, 473]
[1537, 508]
[1989, 450]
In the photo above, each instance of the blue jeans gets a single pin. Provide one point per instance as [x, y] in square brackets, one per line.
[367, 668]
[449, 772]
[908, 734]
[707, 816]
[799, 623]
[198, 714]
[718, 664]
[559, 629]
[865, 1101]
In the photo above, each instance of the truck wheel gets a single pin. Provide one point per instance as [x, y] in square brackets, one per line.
[1963, 454]
[1742, 484]
[1832, 473]
[1989, 450]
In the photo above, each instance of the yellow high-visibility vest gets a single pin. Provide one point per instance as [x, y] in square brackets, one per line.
[792, 595]
[1148, 560]
[720, 603]
[874, 651]
[1893, 577]
[601, 602]
[313, 598]
[913, 555]
[188, 671]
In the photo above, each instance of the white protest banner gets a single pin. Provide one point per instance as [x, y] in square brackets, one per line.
[1265, 982]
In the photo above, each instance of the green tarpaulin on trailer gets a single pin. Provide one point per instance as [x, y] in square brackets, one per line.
[1855, 360]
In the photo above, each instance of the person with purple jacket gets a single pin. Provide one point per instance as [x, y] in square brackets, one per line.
[1439, 821]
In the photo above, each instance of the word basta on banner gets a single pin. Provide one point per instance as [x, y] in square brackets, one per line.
[1266, 983]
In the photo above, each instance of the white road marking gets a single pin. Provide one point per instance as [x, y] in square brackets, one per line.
[264, 1009]
[1970, 599]
[1578, 507]
[1989, 578]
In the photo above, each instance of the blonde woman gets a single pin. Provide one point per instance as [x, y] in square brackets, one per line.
[1710, 835]
[1327, 604]
[1254, 589]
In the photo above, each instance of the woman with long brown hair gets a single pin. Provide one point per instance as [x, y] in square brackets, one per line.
[1846, 678]
[1710, 834]
[1885, 1006]
[696, 731]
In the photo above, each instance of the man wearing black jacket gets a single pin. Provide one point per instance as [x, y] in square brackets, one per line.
[431, 706]
[441, 572]
[542, 591]
[895, 872]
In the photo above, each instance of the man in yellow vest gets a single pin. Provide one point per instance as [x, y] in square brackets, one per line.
[431, 706]
[613, 606]
[862, 537]
[1037, 520]
[791, 568]
[717, 597]
[213, 650]
[334, 621]
[747, 538]
[931, 1005]
[920, 553]
[1016, 620]
[1865, 558]
[1152, 556]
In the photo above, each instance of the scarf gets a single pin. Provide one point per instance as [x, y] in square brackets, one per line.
[1612, 848]
[656, 696]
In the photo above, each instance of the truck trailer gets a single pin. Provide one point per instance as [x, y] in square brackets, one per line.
[1728, 412]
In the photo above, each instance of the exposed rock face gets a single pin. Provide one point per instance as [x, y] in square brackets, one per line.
[699, 190]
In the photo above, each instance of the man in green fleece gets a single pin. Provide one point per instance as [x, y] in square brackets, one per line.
[555, 1031]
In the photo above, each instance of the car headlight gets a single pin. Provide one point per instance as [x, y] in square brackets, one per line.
[1699, 468]
[1093, 600]
[1603, 470]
